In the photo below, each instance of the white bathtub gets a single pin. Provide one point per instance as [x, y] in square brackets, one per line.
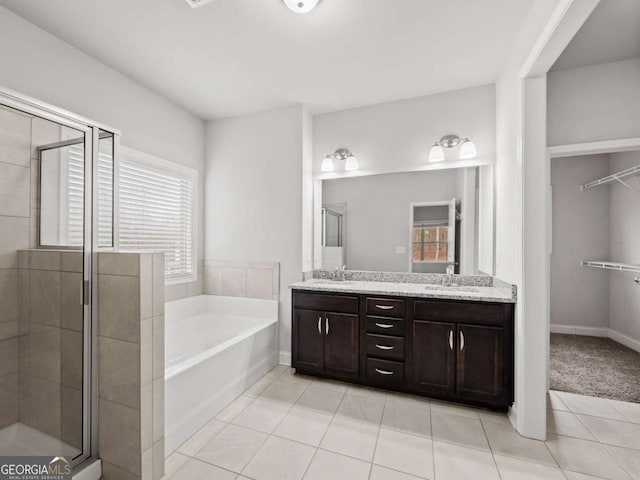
[215, 348]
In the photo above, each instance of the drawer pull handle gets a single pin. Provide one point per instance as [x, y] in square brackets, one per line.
[385, 307]
[384, 372]
[319, 324]
[384, 347]
[461, 340]
[451, 339]
[384, 325]
[326, 326]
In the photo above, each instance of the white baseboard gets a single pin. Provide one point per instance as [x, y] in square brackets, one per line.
[624, 340]
[597, 332]
[580, 330]
[285, 358]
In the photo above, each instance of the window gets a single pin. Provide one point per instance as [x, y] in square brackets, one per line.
[430, 243]
[156, 211]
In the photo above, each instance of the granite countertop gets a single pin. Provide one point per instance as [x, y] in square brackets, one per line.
[492, 290]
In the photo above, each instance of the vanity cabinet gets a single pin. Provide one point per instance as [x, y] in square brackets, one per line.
[325, 334]
[452, 350]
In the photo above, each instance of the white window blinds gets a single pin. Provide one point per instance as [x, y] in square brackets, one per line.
[156, 212]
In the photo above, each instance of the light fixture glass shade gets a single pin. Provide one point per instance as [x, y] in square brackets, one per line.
[301, 6]
[351, 163]
[468, 150]
[327, 164]
[436, 154]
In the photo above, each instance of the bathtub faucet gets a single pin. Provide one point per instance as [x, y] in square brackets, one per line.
[339, 274]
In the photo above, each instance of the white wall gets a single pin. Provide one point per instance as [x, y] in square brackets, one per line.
[624, 301]
[378, 213]
[40, 65]
[254, 195]
[599, 102]
[397, 136]
[579, 295]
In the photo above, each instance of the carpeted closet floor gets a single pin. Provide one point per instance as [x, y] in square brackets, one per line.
[594, 366]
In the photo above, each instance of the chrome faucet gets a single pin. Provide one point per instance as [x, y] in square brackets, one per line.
[339, 274]
[448, 280]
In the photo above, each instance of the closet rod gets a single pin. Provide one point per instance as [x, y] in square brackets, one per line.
[615, 177]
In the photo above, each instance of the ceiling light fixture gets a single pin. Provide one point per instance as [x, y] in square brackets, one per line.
[467, 148]
[301, 6]
[342, 154]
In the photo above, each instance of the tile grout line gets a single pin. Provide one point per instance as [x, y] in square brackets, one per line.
[493, 456]
[375, 447]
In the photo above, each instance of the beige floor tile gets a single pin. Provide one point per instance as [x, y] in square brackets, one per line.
[290, 375]
[567, 424]
[321, 399]
[555, 403]
[354, 439]
[514, 469]
[406, 453]
[612, 432]
[363, 408]
[630, 411]
[199, 439]
[232, 410]
[329, 465]
[382, 473]
[504, 440]
[408, 416]
[262, 415]
[465, 431]
[579, 476]
[284, 391]
[453, 462]
[454, 409]
[596, 407]
[260, 386]
[628, 458]
[585, 457]
[173, 463]
[197, 470]
[232, 448]
[304, 426]
[366, 391]
[495, 417]
[276, 371]
[336, 386]
[280, 459]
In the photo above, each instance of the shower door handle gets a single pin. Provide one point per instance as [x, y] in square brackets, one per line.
[85, 293]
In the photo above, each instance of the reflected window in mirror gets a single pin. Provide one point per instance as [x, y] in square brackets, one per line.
[430, 243]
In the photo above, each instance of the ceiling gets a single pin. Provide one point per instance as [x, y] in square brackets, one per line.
[233, 57]
[610, 34]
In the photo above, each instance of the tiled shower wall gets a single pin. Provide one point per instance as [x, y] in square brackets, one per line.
[50, 344]
[233, 279]
[131, 355]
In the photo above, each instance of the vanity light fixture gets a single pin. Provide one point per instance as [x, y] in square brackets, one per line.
[350, 160]
[467, 148]
[301, 6]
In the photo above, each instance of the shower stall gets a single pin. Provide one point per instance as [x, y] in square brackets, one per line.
[56, 211]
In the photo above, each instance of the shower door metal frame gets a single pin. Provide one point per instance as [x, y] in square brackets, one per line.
[91, 130]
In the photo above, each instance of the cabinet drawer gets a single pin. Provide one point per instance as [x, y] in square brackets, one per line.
[459, 311]
[383, 346]
[326, 303]
[389, 307]
[385, 326]
[385, 371]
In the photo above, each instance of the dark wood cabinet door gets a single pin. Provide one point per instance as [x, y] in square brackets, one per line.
[308, 339]
[434, 356]
[341, 347]
[480, 362]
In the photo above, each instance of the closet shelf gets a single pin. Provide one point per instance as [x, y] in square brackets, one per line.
[621, 267]
[615, 177]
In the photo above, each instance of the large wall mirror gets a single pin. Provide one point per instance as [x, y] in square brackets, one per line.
[409, 222]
